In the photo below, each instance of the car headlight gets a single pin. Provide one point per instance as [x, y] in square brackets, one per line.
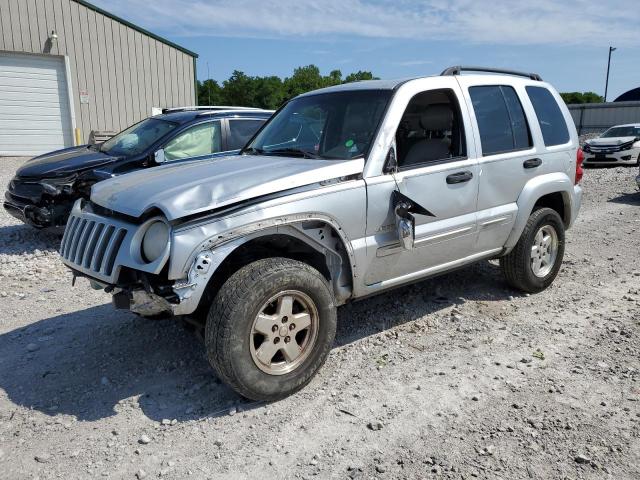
[155, 241]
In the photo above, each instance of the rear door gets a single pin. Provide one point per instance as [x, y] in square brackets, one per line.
[507, 153]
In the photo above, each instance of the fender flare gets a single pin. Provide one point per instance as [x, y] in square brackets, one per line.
[534, 189]
[211, 253]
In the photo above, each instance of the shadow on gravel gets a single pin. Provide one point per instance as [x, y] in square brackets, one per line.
[482, 281]
[627, 198]
[19, 239]
[87, 363]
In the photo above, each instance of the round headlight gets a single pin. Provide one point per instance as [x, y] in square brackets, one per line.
[155, 241]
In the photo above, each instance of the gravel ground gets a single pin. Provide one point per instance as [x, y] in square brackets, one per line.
[455, 377]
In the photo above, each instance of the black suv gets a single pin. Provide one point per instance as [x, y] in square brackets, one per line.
[44, 189]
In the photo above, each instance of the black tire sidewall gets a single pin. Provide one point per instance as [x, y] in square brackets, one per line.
[253, 382]
[544, 217]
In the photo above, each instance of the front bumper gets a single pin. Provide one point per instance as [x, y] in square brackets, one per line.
[624, 157]
[38, 217]
[31, 204]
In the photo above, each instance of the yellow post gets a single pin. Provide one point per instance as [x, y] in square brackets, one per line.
[78, 137]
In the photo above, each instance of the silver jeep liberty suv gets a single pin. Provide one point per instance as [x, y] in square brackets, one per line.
[345, 192]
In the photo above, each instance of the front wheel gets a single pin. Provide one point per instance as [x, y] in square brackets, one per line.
[534, 262]
[270, 328]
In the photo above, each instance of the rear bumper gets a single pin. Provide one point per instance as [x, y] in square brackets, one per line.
[576, 203]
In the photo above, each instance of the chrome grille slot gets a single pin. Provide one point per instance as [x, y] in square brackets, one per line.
[91, 244]
[76, 239]
[112, 251]
[82, 240]
[96, 263]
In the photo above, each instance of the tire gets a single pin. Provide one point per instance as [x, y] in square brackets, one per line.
[233, 337]
[518, 265]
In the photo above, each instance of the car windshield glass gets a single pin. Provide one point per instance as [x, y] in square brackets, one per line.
[137, 138]
[622, 132]
[334, 126]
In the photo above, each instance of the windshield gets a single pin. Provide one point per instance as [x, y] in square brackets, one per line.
[137, 138]
[335, 126]
[630, 131]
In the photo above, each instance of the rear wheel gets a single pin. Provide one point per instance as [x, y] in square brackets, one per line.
[270, 328]
[534, 262]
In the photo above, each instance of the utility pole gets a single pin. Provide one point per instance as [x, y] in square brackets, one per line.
[209, 78]
[606, 86]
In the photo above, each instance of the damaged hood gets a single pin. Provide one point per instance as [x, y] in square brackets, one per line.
[190, 188]
[62, 163]
[602, 141]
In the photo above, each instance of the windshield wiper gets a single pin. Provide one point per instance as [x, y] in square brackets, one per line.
[253, 151]
[293, 151]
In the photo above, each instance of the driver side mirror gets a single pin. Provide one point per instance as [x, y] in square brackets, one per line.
[159, 157]
[405, 226]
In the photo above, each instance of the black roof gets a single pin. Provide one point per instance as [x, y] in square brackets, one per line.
[186, 116]
[632, 95]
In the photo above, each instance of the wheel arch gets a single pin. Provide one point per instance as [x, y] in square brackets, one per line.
[551, 190]
[317, 242]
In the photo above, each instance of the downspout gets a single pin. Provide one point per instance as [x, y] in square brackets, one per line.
[195, 82]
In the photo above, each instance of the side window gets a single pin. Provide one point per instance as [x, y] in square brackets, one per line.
[552, 122]
[241, 131]
[430, 130]
[201, 139]
[501, 119]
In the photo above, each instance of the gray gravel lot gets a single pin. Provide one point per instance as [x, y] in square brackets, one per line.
[455, 377]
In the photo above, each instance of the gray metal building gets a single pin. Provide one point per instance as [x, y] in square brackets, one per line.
[597, 117]
[68, 68]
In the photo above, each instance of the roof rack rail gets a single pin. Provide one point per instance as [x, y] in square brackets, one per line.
[465, 68]
[205, 107]
[246, 111]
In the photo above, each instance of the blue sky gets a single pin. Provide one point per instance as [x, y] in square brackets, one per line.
[566, 42]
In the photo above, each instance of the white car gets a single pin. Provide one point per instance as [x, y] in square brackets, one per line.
[620, 145]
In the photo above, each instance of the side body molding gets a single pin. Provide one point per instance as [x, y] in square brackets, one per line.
[533, 190]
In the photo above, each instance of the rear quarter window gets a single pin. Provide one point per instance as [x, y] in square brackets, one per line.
[552, 122]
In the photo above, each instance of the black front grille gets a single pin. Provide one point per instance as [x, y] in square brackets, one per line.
[22, 191]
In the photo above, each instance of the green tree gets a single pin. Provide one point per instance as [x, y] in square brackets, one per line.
[581, 97]
[304, 79]
[271, 91]
[359, 76]
[239, 90]
[209, 93]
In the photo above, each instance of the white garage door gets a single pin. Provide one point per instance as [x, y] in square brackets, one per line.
[34, 105]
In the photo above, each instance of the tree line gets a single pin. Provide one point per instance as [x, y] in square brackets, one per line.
[270, 92]
[581, 97]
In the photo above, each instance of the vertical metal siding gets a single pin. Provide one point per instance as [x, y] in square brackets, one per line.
[597, 117]
[124, 71]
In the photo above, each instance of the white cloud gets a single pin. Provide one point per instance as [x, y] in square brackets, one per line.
[413, 63]
[573, 22]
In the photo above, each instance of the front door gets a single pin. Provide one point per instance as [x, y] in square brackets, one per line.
[436, 172]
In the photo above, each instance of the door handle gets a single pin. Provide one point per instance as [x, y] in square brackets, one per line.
[532, 163]
[459, 177]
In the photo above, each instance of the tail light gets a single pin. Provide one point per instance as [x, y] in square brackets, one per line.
[579, 169]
